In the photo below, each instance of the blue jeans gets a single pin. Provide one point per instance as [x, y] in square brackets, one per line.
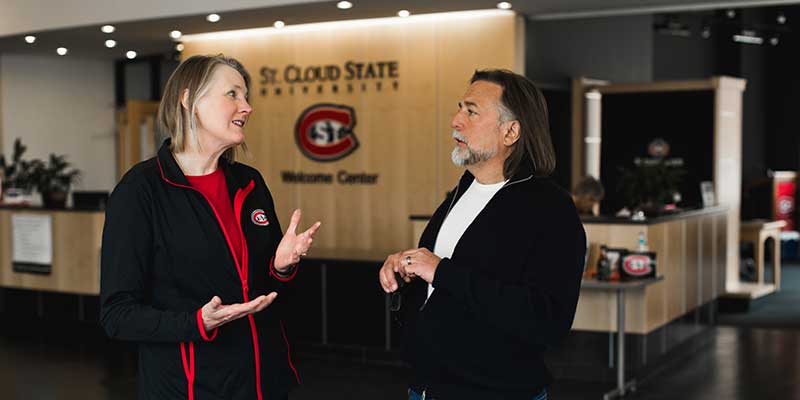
[412, 395]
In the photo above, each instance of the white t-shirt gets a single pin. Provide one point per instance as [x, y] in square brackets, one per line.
[461, 216]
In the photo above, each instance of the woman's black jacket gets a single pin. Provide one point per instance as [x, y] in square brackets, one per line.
[164, 255]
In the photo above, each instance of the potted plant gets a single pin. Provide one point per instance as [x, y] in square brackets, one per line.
[18, 175]
[54, 179]
[652, 183]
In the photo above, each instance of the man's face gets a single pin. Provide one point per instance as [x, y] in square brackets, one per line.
[476, 126]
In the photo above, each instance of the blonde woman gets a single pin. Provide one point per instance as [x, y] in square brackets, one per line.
[193, 256]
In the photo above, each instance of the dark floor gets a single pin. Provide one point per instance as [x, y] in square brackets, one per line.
[778, 310]
[737, 364]
[751, 356]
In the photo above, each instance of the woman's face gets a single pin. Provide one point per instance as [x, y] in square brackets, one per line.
[223, 112]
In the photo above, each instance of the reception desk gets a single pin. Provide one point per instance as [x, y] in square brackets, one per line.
[75, 236]
[665, 319]
[691, 252]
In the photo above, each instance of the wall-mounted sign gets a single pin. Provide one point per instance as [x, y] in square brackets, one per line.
[32, 243]
[324, 132]
[349, 77]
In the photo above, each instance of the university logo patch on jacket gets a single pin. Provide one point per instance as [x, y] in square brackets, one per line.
[259, 217]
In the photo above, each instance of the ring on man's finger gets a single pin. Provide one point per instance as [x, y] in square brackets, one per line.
[408, 260]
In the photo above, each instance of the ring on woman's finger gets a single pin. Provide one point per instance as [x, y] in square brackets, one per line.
[408, 260]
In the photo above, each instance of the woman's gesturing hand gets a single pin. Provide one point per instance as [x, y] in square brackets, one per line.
[293, 246]
[216, 314]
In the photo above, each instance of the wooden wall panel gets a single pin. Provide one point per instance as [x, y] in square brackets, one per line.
[404, 133]
[675, 273]
[76, 257]
[656, 295]
[707, 266]
[597, 311]
[692, 274]
[721, 251]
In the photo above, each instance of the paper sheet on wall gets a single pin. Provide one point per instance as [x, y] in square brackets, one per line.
[32, 239]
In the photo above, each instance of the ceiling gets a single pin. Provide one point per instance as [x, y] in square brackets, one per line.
[150, 36]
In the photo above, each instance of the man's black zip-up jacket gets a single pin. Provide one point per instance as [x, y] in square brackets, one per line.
[164, 256]
[508, 292]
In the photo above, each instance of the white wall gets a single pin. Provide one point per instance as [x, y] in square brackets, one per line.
[63, 106]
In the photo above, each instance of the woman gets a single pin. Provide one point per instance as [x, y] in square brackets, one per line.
[193, 254]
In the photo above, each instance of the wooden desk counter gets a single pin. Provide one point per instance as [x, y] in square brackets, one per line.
[691, 253]
[76, 239]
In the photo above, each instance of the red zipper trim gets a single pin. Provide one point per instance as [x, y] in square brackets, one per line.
[289, 354]
[238, 202]
[188, 367]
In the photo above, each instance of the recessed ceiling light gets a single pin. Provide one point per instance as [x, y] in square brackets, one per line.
[774, 41]
[130, 54]
[279, 24]
[110, 43]
[781, 18]
[108, 28]
[730, 13]
[30, 38]
[344, 5]
[504, 5]
[403, 13]
[175, 34]
[62, 51]
[179, 47]
[213, 18]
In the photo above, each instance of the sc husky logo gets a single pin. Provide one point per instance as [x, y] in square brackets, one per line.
[259, 217]
[785, 205]
[637, 265]
[324, 132]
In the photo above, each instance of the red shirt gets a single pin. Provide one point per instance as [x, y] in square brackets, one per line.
[215, 189]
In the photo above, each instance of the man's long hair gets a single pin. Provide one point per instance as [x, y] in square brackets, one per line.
[522, 101]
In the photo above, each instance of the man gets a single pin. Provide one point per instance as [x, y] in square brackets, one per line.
[496, 277]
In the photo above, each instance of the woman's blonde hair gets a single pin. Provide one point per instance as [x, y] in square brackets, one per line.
[193, 75]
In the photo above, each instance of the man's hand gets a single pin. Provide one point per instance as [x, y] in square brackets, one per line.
[408, 264]
[216, 314]
[420, 262]
[386, 275]
[293, 246]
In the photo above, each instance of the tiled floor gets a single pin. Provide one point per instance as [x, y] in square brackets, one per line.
[737, 364]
